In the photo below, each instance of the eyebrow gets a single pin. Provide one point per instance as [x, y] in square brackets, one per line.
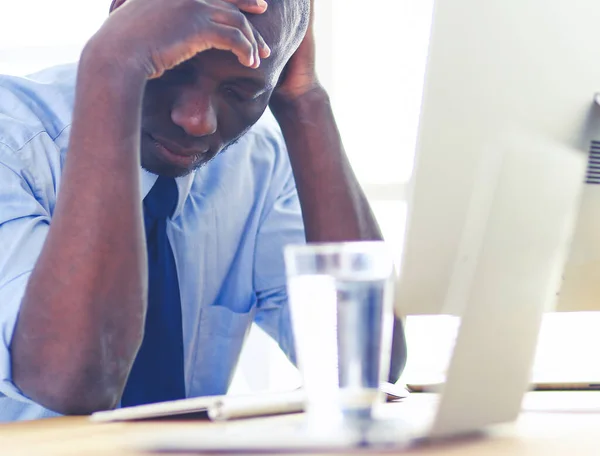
[256, 84]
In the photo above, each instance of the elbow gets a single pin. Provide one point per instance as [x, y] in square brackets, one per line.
[67, 394]
[85, 403]
[73, 376]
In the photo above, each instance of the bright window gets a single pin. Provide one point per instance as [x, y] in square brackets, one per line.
[35, 34]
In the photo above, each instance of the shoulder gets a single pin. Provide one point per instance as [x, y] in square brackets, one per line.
[34, 105]
[35, 116]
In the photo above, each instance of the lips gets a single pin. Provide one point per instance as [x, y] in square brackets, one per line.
[177, 156]
[177, 150]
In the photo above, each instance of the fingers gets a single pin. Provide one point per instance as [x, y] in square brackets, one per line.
[250, 6]
[227, 38]
[235, 18]
[311, 21]
[263, 48]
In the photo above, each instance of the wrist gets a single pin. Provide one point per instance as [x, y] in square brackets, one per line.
[306, 101]
[100, 59]
[107, 108]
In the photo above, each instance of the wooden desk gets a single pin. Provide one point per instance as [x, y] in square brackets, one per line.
[536, 433]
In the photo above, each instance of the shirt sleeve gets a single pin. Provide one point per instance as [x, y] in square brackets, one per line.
[24, 224]
[281, 226]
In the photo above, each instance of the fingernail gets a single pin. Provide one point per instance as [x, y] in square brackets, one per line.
[252, 60]
[262, 3]
[267, 50]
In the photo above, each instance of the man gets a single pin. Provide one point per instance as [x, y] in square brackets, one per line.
[88, 275]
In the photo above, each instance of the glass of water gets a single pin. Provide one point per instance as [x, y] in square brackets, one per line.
[341, 310]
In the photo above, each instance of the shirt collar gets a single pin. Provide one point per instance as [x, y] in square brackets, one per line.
[184, 185]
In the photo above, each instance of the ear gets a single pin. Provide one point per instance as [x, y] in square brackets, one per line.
[115, 4]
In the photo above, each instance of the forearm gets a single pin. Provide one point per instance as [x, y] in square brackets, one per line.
[334, 207]
[81, 319]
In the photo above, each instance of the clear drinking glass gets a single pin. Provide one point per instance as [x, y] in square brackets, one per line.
[341, 309]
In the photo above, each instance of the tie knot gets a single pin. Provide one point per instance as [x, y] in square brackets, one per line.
[161, 201]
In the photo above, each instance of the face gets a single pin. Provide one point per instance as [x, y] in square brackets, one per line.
[200, 107]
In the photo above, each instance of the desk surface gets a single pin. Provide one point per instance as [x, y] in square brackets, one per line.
[548, 429]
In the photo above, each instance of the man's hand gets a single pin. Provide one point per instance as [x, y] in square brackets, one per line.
[153, 36]
[299, 76]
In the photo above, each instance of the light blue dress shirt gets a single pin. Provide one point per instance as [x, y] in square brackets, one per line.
[233, 218]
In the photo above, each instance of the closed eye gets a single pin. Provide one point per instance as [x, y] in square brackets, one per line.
[240, 95]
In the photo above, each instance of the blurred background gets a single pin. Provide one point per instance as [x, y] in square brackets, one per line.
[372, 60]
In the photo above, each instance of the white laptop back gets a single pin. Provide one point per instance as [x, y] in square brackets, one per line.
[507, 120]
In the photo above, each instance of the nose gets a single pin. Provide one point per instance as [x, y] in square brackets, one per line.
[195, 113]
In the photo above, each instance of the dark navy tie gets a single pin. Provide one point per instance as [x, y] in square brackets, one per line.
[157, 373]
